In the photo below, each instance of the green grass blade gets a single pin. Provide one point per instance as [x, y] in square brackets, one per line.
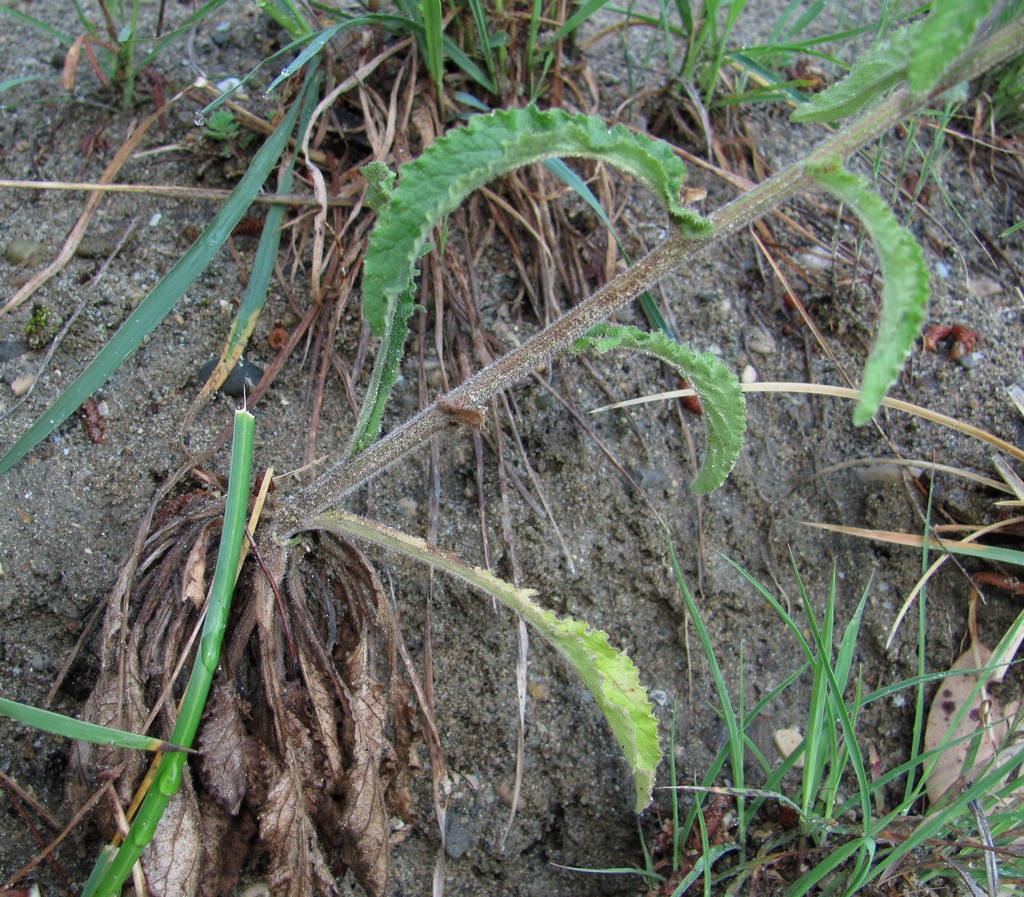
[39, 24]
[433, 39]
[483, 36]
[569, 177]
[68, 727]
[585, 11]
[168, 775]
[14, 82]
[161, 299]
[262, 270]
[733, 723]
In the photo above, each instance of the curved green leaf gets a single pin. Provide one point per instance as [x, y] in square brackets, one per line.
[467, 158]
[881, 67]
[724, 407]
[608, 674]
[904, 283]
[944, 35]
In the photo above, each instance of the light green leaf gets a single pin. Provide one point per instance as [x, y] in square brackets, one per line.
[608, 674]
[69, 727]
[944, 35]
[380, 184]
[881, 67]
[904, 283]
[467, 158]
[724, 408]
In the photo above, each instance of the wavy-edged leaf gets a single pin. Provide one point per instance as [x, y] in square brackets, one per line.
[944, 35]
[161, 299]
[904, 283]
[490, 145]
[609, 674]
[881, 67]
[725, 409]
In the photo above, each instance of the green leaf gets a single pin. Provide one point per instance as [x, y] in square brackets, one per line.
[608, 674]
[58, 724]
[881, 67]
[725, 409]
[944, 35]
[904, 283]
[467, 158]
[161, 299]
[380, 184]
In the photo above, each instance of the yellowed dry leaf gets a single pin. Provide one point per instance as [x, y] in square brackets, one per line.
[947, 725]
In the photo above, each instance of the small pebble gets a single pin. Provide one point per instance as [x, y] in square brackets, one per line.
[749, 374]
[408, 506]
[154, 219]
[232, 84]
[970, 360]
[660, 697]
[814, 261]
[539, 691]
[983, 287]
[22, 385]
[787, 741]
[942, 269]
[241, 380]
[97, 246]
[760, 341]
[23, 252]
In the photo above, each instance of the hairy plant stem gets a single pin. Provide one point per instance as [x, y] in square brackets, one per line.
[299, 510]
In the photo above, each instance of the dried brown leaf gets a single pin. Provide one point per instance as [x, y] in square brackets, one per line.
[984, 714]
[173, 858]
[225, 749]
[193, 585]
[364, 819]
[227, 842]
[297, 866]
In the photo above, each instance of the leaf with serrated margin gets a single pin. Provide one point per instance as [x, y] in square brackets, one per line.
[490, 145]
[881, 67]
[904, 283]
[944, 35]
[608, 673]
[724, 407]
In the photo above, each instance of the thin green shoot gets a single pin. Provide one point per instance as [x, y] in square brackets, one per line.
[917, 740]
[735, 739]
[113, 868]
[38, 24]
[69, 727]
